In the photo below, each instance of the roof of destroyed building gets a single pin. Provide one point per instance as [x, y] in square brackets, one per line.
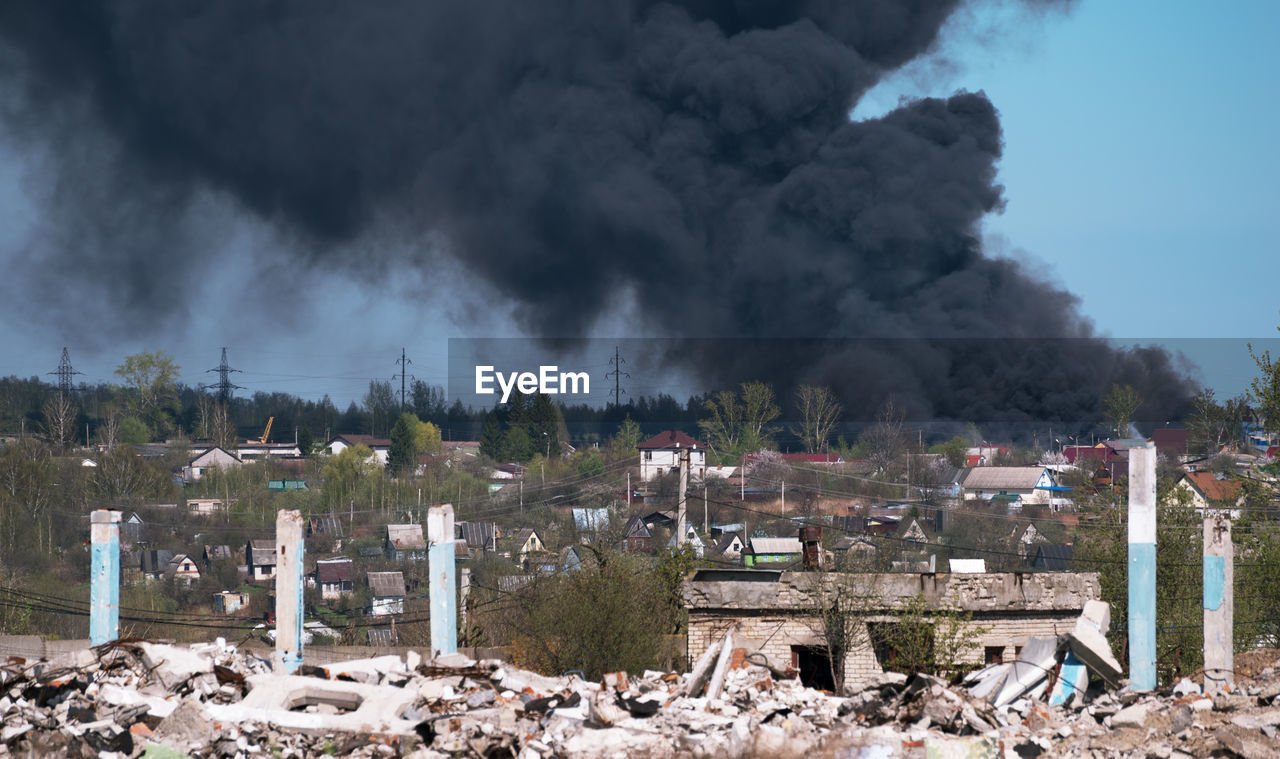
[997, 477]
[406, 537]
[387, 584]
[335, 570]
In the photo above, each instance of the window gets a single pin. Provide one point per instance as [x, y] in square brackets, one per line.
[648, 455]
[993, 654]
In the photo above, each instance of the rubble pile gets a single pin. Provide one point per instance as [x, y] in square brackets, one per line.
[137, 698]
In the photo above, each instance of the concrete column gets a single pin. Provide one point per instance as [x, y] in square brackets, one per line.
[1219, 604]
[289, 610]
[443, 589]
[1142, 567]
[104, 577]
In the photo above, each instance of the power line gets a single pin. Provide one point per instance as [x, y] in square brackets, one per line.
[65, 373]
[224, 386]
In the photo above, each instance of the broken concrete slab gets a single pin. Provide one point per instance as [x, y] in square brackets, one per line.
[1038, 660]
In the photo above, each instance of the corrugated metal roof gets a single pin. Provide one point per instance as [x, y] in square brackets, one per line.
[387, 584]
[1003, 477]
[775, 545]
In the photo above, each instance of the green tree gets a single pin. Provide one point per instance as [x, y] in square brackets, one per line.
[626, 439]
[344, 472]
[492, 436]
[1119, 405]
[427, 438]
[1265, 389]
[954, 450]
[742, 422]
[152, 380]
[403, 456]
[544, 425]
[133, 431]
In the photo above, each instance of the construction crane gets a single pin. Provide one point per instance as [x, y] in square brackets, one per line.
[266, 432]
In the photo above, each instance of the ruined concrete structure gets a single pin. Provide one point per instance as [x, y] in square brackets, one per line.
[774, 611]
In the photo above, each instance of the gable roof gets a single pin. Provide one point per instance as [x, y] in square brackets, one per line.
[213, 553]
[776, 546]
[212, 452]
[1212, 488]
[1003, 477]
[335, 570]
[387, 584]
[670, 439]
[477, 534]
[263, 553]
[727, 541]
[406, 537]
[1054, 557]
[636, 529]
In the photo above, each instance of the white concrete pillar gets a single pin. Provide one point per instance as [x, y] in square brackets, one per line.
[443, 590]
[1219, 604]
[1142, 567]
[289, 609]
[104, 577]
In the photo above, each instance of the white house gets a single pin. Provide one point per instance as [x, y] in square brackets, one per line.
[210, 458]
[182, 568]
[660, 455]
[381, 447]
[387, 589]
[260, 557]
[334, 577]
[1029, 484]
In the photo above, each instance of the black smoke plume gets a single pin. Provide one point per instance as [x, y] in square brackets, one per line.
[695, 158]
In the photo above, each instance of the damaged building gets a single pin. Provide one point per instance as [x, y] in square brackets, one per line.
[775, 613]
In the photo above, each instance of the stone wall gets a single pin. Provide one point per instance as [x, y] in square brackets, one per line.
[772, 615]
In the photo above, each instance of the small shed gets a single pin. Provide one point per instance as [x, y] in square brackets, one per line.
[388, 593]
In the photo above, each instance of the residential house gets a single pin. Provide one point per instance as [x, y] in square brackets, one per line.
[182, 568]
[334, 577]
[1054, 557]
[730, 547]
[661, 520]
[512, 471]
[771, 614]
[205, 506]
[1026, 539]
[576, 557]
[776, 552]
[133, 529]
[381, 447]
[854, 550]
[215, 553]
[154, 562]
[209, 458]
[404, 542]
[1213, 491]
[260, 558]
[526, 542]
[692, 538]
[636, 536]
[387, 589]
[479, 536]
[660, 455]
[1030, 484]
[984, 455]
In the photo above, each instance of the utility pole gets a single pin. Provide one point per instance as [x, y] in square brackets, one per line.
[1142, 567]
[403, 362]
[1219, 604]
[442, 593]
[289, 571]
[681, 517]
[617, 374]
[104, 580]
[628, 490]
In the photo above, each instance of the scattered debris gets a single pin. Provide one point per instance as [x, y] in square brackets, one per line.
[145, 699]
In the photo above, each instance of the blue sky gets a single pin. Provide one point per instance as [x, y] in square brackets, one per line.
[1140, 168]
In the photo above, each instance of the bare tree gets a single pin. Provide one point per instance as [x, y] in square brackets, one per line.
[109, 429]
[819, 412]
[1120, 405]
[842, 603]
[887, 439]
[723, 427]
[60, 420]
[223, 431]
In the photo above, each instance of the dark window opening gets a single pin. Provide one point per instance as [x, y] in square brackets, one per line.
[905, 647]
[993, 654]
[814, 665]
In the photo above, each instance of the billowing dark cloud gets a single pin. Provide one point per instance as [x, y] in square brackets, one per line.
[693, 157]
